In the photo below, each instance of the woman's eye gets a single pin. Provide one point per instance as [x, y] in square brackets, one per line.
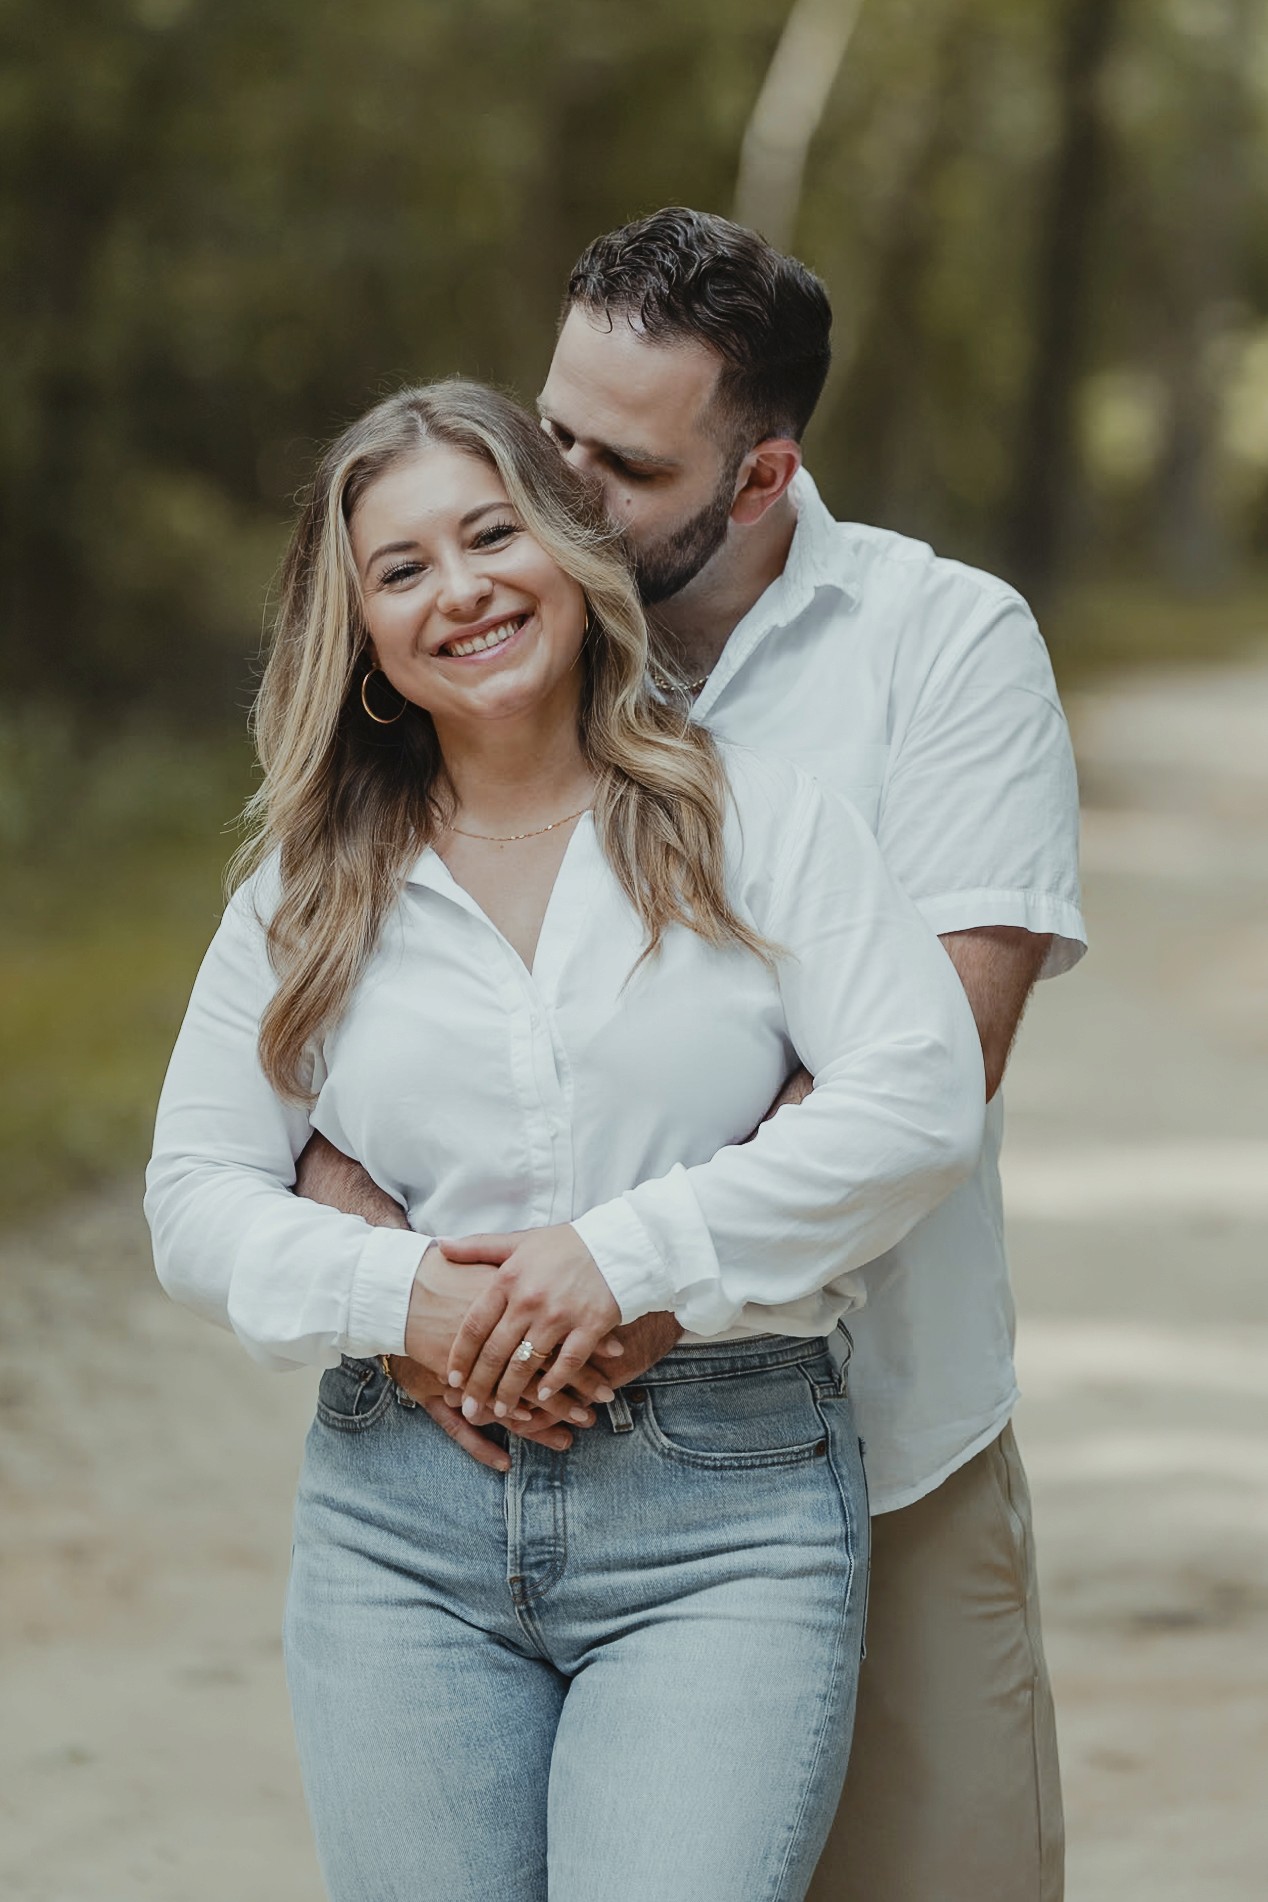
[495, 533]
[403, 573]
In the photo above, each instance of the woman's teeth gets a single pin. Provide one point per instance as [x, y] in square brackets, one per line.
[494, 638]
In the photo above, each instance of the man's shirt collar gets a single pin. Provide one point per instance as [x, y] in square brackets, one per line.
[814, 562]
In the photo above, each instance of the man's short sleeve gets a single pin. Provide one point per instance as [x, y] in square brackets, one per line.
[979, 816]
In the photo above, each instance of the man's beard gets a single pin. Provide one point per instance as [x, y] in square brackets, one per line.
[665, 568]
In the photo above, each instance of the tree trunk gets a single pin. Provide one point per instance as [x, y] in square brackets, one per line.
[1045, 464]
[786, 116]
[1202, 256]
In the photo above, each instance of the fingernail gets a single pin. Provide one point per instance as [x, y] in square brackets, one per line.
[455, 1380]
[503, 1466]
[604, 1393]
[499, 1407]
[544, 1393]
[470, 1408]
[579, 1414]
[521, 1413]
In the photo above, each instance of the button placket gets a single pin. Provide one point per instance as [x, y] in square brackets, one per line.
[552, 1127]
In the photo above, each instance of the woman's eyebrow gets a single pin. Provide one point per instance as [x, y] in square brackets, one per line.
[388, 548]
[403, 548]
[485, 508]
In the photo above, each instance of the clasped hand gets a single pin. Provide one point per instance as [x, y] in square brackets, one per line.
[545, 1290]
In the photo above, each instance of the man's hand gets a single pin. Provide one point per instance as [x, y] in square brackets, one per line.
[998, 966]
[642, 1344]
[443, 1406]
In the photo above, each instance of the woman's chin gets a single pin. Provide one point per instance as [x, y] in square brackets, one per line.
[508, 696]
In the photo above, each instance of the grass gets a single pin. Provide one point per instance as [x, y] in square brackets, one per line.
[111, 855]
[111, 859]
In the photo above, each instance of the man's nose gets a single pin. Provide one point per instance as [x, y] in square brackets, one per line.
[577, 456]
[586, 463]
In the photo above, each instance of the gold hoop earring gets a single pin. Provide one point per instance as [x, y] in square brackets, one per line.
[380, 719]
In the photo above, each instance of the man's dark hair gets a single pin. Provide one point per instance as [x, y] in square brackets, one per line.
[689, 274]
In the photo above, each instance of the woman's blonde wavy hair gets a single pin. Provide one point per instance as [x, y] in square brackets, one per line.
[348, 805]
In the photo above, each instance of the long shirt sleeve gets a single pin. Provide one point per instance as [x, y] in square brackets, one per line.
[875, 1012]
[298, 1283]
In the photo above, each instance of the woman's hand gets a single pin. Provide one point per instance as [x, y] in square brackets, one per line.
[438, 1304]
[547, 1291]
[440, 1301]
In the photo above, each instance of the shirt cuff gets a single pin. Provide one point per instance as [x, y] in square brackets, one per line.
[378, 1306]
[1041, 912]
[627, 1258]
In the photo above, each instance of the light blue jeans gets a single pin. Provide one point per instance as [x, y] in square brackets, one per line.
[626, 1672]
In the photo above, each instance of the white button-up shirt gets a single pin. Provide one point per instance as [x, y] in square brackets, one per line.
[485, 1096]
[922, 691]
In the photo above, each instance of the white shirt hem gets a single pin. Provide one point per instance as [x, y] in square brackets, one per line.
[894, 1501]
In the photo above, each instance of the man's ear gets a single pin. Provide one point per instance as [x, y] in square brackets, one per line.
[763, 477]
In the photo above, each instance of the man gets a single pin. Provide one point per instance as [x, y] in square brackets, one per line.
[688, 363]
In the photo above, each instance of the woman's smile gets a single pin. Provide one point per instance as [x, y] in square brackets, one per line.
[488, 640]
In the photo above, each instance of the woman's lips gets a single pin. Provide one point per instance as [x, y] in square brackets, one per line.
[492, 641]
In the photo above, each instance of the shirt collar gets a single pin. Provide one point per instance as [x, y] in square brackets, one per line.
[814, 556]
[814, 561]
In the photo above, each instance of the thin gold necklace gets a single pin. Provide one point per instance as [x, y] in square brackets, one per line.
[509, 838]
[688, 686]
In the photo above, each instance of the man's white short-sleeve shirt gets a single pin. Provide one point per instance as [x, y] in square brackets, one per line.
[922, 691]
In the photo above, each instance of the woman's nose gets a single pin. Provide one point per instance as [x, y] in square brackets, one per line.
[462, 586]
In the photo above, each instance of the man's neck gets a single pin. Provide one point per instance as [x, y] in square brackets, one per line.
[699, 620]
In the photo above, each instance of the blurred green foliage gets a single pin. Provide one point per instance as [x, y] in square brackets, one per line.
[111, 856]
[229, 225]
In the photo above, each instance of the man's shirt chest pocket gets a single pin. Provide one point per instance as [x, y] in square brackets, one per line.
[855, 771]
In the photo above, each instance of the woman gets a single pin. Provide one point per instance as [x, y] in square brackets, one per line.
[537, 951]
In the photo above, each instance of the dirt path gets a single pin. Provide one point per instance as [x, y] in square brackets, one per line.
[1138, 1197]
[146, 1466]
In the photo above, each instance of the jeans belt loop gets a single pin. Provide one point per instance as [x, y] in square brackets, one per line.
[619, 1414]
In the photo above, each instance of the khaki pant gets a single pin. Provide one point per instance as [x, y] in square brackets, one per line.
[953, 1793]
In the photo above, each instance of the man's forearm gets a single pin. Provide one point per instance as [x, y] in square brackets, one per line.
[998, 966]
[324, 1174]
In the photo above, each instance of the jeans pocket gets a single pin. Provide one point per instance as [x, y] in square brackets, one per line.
[768, 1417]
[353, 1395]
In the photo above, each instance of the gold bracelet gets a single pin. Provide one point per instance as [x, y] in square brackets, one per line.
[385, 1362]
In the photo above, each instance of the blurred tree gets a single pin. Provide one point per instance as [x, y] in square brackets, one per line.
[1199, 259]
[786, 115]
[230, 224]
[1046, 468]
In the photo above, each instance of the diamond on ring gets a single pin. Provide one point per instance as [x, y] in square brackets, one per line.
[525, 1351]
